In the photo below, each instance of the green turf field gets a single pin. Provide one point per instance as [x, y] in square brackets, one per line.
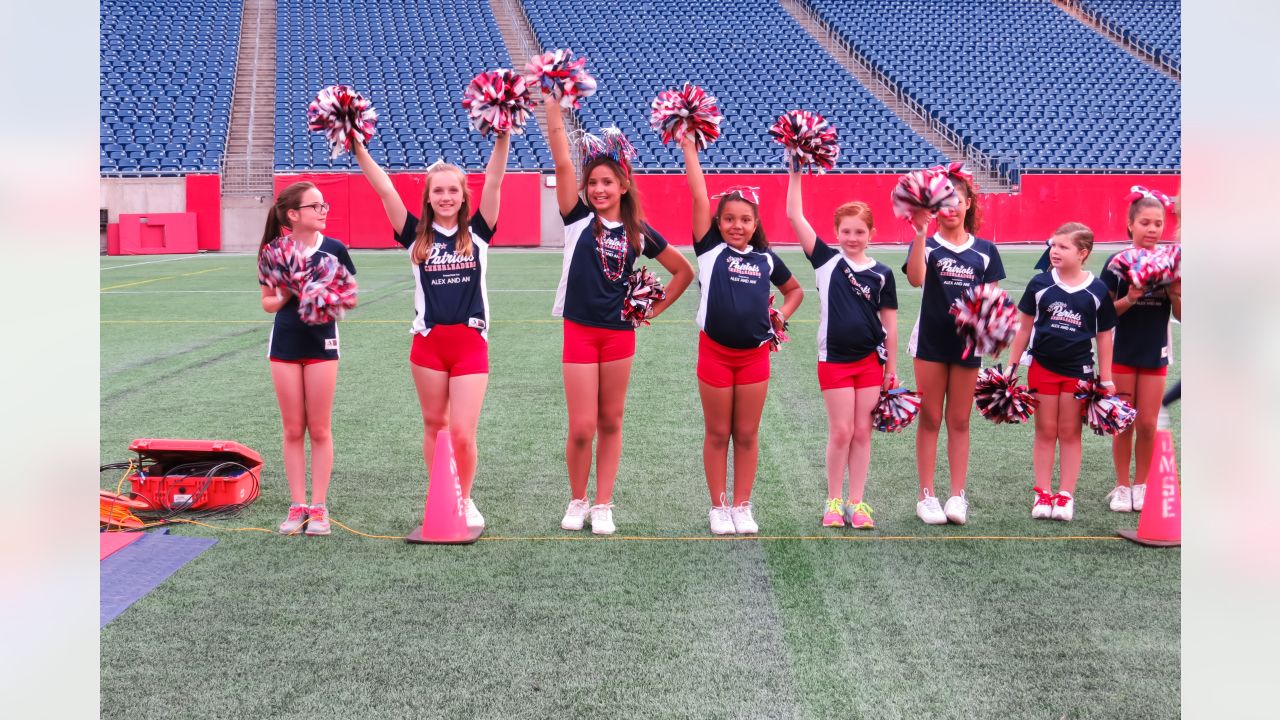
[906, 621]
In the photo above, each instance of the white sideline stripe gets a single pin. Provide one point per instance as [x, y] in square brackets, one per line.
[153, 262]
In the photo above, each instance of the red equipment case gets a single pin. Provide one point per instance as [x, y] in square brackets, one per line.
[192, 487]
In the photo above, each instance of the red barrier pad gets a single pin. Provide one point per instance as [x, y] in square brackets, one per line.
[157, 233]
[113, 238]
[204, 198]
[109, 542]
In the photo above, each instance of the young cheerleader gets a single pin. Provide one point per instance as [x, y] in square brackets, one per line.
[946, 264]
[857, 346]
[735, 268]
[1141, 355]
[603, 236]
[1063, 311]
[448, 245]
[304, 359]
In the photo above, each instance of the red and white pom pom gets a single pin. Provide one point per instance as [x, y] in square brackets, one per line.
[986, 320]
[1105, 413]
[561, 77]
[1001, 399]
[498, 101]
[689, 111]
[339, 111]
[643, 290]
[329, 292]
[896, 409]
[930, 190]
[1145, 268]
[808, 140]
[779, 325]
[281, 264]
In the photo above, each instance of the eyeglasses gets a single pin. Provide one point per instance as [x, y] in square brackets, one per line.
[320, 207]
[745, 192]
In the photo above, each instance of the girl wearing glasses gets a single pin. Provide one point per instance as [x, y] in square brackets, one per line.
[735, 270]
[946, 264]
[604, 234]
[304, 360]
[448, 245]
[857, 346]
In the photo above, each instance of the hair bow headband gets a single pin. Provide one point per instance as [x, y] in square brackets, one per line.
[610, 143]
[955, 168]
[1137, 192]
[749, 193]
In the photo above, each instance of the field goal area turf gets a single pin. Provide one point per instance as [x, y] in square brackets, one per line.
[1003, 618]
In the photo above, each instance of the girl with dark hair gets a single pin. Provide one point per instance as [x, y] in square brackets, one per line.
[448, 246]
[1141, 355]
[857, 346]
[946, 264]
[735, 269]
[604, 234]
[304, 359]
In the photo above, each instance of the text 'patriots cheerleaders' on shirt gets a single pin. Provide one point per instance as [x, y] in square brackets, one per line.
[742, 270]
[954, 272]
[446, 267]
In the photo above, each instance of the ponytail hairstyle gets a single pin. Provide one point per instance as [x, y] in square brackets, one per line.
[425, 236]
[288, 199]
[855, 209]
[758, 241]
[628, 203]
[1079, 234]
[964, 181]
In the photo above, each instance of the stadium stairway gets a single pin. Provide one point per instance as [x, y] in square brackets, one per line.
[247, 163]
[945, 140]
[1076, 9]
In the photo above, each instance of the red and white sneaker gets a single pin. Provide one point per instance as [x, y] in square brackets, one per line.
[296, 519]
[1064, 507]
[317, 520]
[1043, 507]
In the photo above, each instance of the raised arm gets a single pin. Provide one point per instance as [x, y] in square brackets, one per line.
[558, 140]
[795, 212]
[493, 172]
[915, 256]
[697, 189]
[381, 183]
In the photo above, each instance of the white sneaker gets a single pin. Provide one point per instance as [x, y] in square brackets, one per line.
[1043, 507]
[743, 523]
[1139, 496]
[721, 522]
[1064, 507]
[1121, 499]
[602, 519]
[958, 509]
[575, 515]
[474, 518]
[930, 511]
[296, 519]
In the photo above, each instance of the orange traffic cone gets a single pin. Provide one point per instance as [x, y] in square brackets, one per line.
[1161, 522]
[443, 519]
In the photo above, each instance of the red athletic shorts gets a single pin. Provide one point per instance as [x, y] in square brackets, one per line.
[864, 373]
[586, 344]
[303, 361]
[720, 366]
[1047, 382]
[455, 349]
[1119, 369]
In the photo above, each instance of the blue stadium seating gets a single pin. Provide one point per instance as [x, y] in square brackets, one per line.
[412, 58]
[1155, 25]
[1020, 79]
[750, 54]
[165, 79]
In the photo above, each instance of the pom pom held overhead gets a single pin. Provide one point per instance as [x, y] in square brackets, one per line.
[498, 101]
[689, 111]
[339, 112]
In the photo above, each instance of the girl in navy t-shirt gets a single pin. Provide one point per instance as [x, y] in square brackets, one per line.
[605, 234]
[1064, 311]
[735, 271]
[448, 246]
[1142, 356]
[946, 264]
[857, 346]
[304, 360]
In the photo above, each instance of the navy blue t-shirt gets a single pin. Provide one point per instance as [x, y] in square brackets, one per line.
[292, 339]
[450, 287]
[587, 295]
[734, 308]
[851, 297]
[949, 271]
[1067, 318]
[1142, 332]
